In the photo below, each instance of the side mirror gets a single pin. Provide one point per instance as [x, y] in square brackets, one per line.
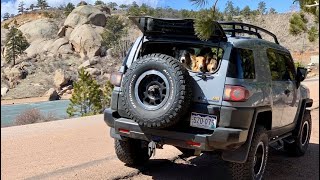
[301, 73]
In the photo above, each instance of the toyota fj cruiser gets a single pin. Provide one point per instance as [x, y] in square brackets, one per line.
[251, 101]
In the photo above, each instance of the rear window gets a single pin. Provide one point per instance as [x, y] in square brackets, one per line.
[241, 64]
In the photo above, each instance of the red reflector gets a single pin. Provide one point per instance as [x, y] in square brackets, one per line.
[235, 93]
[192, 143]
[124, 131]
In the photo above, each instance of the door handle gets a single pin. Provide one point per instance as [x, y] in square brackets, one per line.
[287, 92]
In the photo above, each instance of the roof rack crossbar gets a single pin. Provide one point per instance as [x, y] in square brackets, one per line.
[252, 30]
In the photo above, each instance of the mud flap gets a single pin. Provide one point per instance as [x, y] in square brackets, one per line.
[240, 155]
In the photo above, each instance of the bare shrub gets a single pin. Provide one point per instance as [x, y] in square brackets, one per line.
[31, 116]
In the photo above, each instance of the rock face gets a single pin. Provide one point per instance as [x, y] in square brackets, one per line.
[57, 44]
[86, 40]
[39, 29]
[52, 94]
[38, 47]
[80, 15]
[60, 78]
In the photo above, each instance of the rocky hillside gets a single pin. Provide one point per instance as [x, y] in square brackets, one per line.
[60, 45]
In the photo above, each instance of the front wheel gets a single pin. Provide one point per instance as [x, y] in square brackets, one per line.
[254, 167]
[132, 151]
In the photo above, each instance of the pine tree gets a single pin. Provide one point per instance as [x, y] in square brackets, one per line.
[31, 7]
[114, 30]
[313, 33]
[262, 7]
[6, 16]
[272, 11]
[98, 2]
[85, 99]
[68, 9]
[106, 94]
[42, 4]
[298, 24]
[246, 11]
[16, 43]
[21, 7]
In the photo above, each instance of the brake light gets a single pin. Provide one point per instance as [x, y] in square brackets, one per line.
[192, 143]
[115, 78]
[235, 93]
[126, 131]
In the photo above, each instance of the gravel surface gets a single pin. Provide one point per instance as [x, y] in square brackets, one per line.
[81, 148]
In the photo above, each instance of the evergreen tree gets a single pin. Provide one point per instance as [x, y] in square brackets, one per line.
[123, 6]
[21, 7]
[114, 30]
[16, 43]
[272, 11]
[6, 16]
[68, 9]
[106, 95]
[313, 33]
[262, 7]
[98, 2]
[112, 5]
[298, 24]
[81, 3]
[85, 99]
[229, 11]
[246, 11]
[11, 15]
[42, 4]
[31, 8]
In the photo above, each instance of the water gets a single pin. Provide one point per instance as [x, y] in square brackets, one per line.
[10, 112]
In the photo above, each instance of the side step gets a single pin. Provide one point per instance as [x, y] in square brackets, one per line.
[277, 143]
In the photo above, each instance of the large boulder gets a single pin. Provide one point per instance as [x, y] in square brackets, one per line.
[80, 15]
[60, 78]
[65, 49]
[39, 46]
[86, 40]
[103, 8]
[39, 29]
[98, 19]
[13, 73]
[52, 94]
[57, 44]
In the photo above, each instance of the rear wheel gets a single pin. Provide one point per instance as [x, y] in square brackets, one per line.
[301, 141]
[131, 152]
[254, 167]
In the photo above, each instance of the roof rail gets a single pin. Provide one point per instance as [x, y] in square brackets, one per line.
[250, 29]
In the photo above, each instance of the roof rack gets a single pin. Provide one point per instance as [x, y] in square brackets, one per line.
[250, 29]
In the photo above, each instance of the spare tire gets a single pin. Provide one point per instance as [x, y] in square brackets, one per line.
[156, 91]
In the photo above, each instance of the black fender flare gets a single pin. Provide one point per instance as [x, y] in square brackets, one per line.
[240, 155]
[306, 103]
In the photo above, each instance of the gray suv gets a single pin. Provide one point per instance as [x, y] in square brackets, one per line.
[234, 95]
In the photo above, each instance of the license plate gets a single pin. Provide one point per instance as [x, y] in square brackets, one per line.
[204, 121]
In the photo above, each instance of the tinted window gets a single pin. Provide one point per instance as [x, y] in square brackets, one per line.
[241, 64]
[281, 66]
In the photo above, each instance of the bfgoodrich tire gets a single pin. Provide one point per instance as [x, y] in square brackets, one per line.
[301, 141]
[254, 167]
[156, 92]
[131, 152]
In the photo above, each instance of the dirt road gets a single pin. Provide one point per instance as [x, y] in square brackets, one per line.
[82, 149]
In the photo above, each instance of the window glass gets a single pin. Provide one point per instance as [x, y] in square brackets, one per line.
[281, 66]
[241, 64]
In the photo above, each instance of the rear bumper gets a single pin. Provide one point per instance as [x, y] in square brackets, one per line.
[220, 139]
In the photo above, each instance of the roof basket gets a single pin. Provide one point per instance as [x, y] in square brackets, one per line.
[245, 28]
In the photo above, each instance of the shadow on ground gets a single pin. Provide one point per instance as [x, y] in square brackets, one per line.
[209, 166]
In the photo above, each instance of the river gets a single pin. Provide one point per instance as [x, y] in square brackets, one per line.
[10, 112]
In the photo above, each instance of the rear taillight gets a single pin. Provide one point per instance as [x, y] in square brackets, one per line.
[115, 78]
[235, 93]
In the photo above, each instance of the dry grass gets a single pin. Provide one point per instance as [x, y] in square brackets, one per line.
[31, 116]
